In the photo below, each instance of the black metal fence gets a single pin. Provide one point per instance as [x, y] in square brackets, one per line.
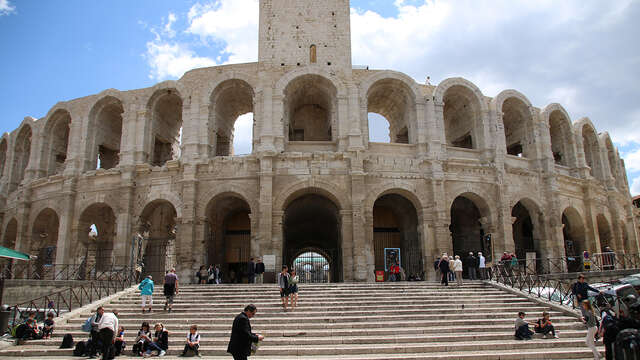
[31, 270]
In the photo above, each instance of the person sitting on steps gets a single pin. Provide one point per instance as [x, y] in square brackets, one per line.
[544, 326]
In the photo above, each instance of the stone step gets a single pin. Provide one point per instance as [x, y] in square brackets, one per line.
[550, 345]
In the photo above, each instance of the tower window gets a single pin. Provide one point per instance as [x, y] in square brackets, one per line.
[313, 54]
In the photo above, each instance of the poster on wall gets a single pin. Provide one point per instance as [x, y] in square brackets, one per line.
[391, 256]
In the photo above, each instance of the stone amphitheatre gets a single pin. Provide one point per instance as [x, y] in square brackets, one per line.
[149, 176]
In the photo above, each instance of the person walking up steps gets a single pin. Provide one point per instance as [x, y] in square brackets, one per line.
[444, 269]
[146, 292]
[170, 288]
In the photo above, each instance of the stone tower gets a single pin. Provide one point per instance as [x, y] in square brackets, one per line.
[303, 32]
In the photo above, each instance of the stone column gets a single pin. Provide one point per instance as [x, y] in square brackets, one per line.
[65, 231]
[364, 252]
[277, 239]
[348, 266]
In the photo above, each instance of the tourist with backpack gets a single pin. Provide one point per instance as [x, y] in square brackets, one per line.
[146, 291]
[609, 331]
[589, 319]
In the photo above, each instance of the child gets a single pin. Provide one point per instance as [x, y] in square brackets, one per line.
[118, 342]
[522, 328]
[544, 326]
[193, 341]
[142, 340]
[49, 324]
[160, 341]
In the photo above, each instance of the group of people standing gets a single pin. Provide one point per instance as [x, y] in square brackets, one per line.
[450, 268]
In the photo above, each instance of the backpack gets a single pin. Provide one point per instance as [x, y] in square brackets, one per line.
[67, 342]
[627, 345]
[80, 349]
[86, 327]
[610, 327]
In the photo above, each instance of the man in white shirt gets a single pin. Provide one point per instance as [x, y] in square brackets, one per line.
[482, 266]
[107, 327]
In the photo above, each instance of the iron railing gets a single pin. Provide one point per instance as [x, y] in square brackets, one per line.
[31, 270]
[74, 297]
[596, 262]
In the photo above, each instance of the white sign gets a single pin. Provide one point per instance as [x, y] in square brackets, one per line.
[269, 263]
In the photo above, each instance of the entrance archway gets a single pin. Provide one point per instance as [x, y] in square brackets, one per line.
[96, 234]
[395, 226]
[229, 237]
[312, 223]
[467, 232]
[522, 230]
[44, 240]
[158, 225]
[574, 238]
[604, 232]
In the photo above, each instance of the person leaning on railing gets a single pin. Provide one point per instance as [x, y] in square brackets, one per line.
[580, 290]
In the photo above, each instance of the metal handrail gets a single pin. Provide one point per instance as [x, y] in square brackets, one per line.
[33, 271]
[597, 262]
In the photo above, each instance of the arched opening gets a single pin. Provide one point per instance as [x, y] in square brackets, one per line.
[21, 157]
[379, 128]
[312, 268]
[395, 235]
[96, 237]
[44, 240]
[313, 56]
[10, 234]
[516, 118]
[106, 120]
[231, 119]
[462, 117]
[467, 231]
[627, 245]
[574, 238]
[561, 138]
[159, 229]
[56, 142]
[229, 237]
[166, 115]
[3, 156]
[523, 230]
[604, 233]
[590, 147]
[310, 108]
[312, 224]
[393, 100]
[613, 163]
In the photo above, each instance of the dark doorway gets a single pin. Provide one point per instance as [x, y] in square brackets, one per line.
[522, 231]
[312, 222]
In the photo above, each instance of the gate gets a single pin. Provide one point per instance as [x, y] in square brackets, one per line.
[314, 266]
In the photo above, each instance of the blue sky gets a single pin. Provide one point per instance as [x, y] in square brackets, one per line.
[583, 54]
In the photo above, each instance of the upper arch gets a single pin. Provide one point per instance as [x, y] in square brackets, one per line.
[311, 186]
[291, 76]
[442, 88]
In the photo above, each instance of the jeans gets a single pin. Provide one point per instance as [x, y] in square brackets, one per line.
[591, 332]
[154, 346]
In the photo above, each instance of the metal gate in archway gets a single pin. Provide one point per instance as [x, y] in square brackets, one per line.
[316, 266]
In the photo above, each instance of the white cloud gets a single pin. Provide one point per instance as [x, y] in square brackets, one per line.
[632, 160]
[635, 187]
[232, 22]
[171, 19]
[6, 8]
[172, 60]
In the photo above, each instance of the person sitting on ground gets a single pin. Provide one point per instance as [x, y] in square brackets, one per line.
[28, 330]
[193, 341]
[49, 324]
[142, 340]
[160, 341]
[544, 326]
[118, 342]
[522, 328]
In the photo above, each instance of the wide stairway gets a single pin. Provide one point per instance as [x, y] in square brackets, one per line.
[344, 321]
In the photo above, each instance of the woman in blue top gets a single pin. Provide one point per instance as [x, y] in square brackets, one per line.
[146, 290]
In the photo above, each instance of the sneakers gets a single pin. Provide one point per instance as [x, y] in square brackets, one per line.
[556, 337]
[163, 353]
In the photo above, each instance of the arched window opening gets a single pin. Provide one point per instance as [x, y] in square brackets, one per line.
[613, 160]
[561, 138]
[159, 229]
[96, 238]
[393, 100]
[231, 121]
[590, 147]
[522, 231]
[379, 128]
[3, 156]
[313, 58]
[21, 157]
[57, 142]
[229, 237]
[310, 108]
[461, 117]
[574, 239]
[604, 233]
[167, 128]
[106, 118]
[516, 119]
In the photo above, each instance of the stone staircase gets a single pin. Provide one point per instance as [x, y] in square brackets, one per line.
[343, 321]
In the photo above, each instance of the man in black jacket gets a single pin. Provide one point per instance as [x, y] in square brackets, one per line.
[260, 271]
[241, 335]
[251, 271]
[580, 290]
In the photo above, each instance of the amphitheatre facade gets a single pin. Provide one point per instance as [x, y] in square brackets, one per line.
[149, 175]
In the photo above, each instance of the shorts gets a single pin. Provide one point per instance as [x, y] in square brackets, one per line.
[147, 299]
[169, 290]
[293, 289]
[284, 293]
